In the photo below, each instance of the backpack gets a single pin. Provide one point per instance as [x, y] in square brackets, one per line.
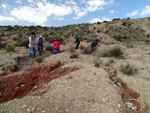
[92, 44]
[40, 41]
[27, 42]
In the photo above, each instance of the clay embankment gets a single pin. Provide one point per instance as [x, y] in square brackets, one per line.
[19, 84]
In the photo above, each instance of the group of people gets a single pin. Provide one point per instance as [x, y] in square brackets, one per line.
[56, 45]
[40, 43]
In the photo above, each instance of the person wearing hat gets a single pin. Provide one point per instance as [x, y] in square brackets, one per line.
[32, 45]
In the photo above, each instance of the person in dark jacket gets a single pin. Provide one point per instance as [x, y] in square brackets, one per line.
[94, 44]
[77, 41]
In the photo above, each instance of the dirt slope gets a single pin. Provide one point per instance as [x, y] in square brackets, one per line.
[76, 85]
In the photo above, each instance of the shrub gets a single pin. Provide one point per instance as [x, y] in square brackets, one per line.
[98, 22]
[72, 50]
[39, 59]
[97, 62]
[114, 52]
[2, 45]
[82, 47]
[47, 47]
[127, 69]
[88, 50]
[10, 48]
[74, 55]
[111, 61]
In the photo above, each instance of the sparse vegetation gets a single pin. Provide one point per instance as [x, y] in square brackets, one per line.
[87, 50]
[47, 47]
[74, 55]
[39, 59]
[111, 61]
[10, 48]
[97, 62]
[127, 69]
[2, 45]
[72, 50]
[114, 52]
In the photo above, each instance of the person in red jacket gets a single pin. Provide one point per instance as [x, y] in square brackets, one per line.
[55, 46]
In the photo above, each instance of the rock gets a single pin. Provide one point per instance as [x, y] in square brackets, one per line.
[35, 87]
[33, 109]
[24, 106]
[66, 110]
[119, 84]
[117, 111]
[119, 105]
[130, 106]
[22, 85]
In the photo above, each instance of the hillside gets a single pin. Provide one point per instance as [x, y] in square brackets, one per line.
[121, 30]
[113, 79]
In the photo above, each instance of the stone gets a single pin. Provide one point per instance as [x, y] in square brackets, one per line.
[24, 106]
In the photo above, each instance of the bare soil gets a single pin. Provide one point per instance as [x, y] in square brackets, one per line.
[61, 84]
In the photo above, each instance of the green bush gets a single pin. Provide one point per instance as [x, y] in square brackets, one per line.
[2, 45]
[10, 48]
[47, 47]
[127, 69]
[39, 59]
[111, 61]
[97, 62]
[88, 50]
[114, 52]
[74, 55]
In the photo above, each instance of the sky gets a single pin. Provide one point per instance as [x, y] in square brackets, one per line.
[67, 12]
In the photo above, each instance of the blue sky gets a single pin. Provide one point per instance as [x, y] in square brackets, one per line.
[66, 12]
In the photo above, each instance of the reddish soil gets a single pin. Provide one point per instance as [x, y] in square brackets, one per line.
[100, 34]
[19, 84]
[128, 94]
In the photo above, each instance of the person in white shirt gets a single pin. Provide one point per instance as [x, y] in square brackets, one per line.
[32, 45]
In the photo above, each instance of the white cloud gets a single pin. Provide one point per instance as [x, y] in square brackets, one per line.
[94, 20]
[3, 18]
[99, 20]
[19, 1]
[82, 1]
[90, 6]
[145, 11]
[31, 1]
[93, 5]
[29, 14]
[39, 14]
[38, 11]
[113, 11]
[4, 6]
[79, 15]
[132, 13]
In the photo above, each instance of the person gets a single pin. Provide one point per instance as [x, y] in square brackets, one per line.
[40, 41]
[56, 46]
[94, 44]
[32, 45]
[77, 41]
